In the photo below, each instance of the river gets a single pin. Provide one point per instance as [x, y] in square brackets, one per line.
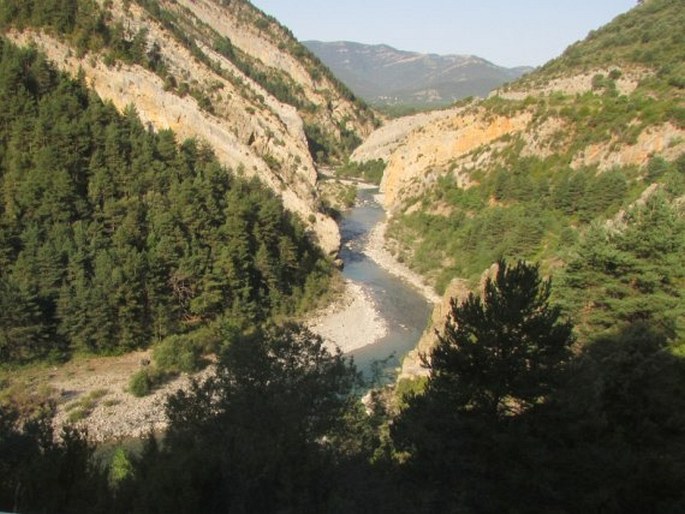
[404, 309]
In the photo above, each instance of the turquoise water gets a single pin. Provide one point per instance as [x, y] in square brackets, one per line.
[404, 309]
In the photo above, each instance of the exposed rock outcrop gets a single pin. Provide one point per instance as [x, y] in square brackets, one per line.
[437, 145]
[420, 149]
[573, 85]
[412, 365]
[249, 129]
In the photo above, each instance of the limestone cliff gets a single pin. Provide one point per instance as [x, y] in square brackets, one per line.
[525, 172]
[433, 147]
[612, 100]
[456, 141]
[226, 98]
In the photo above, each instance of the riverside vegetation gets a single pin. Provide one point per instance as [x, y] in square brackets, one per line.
[542, 396]
[510, 420]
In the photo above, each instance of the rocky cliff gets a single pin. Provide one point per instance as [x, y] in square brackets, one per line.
[456, 141]
[524, 172]
[231, 77]
[612, 100]
[412, 364]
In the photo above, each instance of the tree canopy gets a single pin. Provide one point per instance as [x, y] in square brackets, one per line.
[113, 236]
[278, 428]
[500, 355]
[629, 272]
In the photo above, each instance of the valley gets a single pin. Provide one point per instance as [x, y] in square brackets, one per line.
[192, 255]
[369, 322]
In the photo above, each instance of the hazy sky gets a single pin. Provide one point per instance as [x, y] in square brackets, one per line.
[506, 32]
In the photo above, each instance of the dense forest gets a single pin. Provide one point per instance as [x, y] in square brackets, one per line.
[514, 417]
[563, 396]
[113, 236]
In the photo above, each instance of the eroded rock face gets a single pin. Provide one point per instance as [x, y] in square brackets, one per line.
[412, 365]
[439, 143]
[665, 140]
[420, 149]
[457, 291]
[250, 131]
[573, 84]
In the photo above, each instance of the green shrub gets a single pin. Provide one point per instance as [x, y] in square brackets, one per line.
[82, 408]
[178, 353]
[77, 415]
[120, 468]
[141, 383]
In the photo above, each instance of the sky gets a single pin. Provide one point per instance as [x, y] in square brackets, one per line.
[505, 32]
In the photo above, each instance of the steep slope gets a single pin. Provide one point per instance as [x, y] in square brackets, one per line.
[383, 75]
[114, 237]
[219, 71]
[525, 173]
[582, 111]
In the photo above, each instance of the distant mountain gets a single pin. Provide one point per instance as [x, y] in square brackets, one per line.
[383, 75]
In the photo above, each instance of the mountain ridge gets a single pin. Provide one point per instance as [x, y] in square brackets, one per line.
[222, 72]
[382, 74]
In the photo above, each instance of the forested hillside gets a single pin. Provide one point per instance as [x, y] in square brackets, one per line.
[221, 72]
[113, 236]
[90, 26]
[556, 385]
[554, 164]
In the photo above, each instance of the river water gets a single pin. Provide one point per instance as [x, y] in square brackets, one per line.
[405, 310]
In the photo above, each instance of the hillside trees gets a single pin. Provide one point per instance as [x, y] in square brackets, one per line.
[278, 428]
[42, 473]
[612, 438]
[632, 272]
[112, 236]
[511, 421]
[519, 211]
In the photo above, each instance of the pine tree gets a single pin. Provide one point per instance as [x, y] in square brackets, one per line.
[499, 357]
[500, 354]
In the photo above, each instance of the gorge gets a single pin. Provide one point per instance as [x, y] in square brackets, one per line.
[174, 184]
[403, 309]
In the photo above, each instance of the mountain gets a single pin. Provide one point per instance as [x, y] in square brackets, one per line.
[147, 152]
[551, 165]
[117, 233]
[219, 71]
[383, 75]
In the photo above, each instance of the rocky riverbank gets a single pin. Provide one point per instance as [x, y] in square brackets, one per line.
[375, 249]
[93, 392]
[350, 323]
